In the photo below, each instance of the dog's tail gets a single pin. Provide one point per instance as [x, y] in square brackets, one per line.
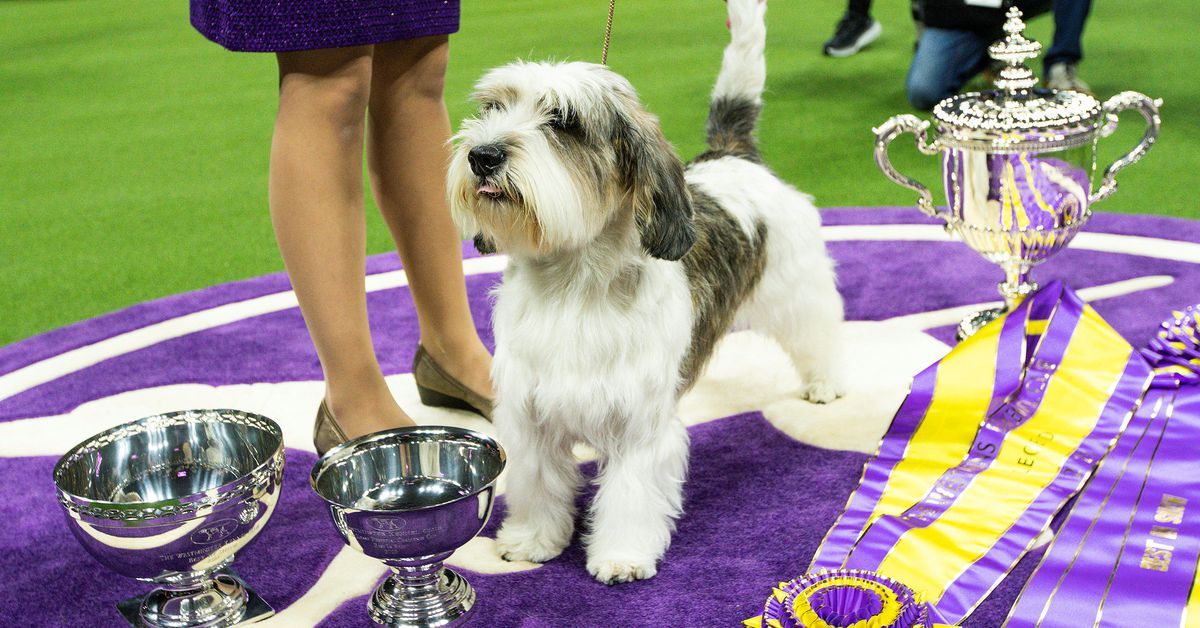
[737, 97]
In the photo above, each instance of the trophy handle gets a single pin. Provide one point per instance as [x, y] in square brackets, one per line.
[1145, 105]
[890, 130]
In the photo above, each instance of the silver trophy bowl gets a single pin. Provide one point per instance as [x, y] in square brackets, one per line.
[1018, 165]
[409, 497]
[170, 499]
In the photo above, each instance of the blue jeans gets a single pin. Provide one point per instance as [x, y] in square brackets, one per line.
[946, 59]
[943, 62]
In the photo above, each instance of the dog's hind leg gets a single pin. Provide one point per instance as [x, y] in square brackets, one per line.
[797, 304]
[542, 483]
[640, 495]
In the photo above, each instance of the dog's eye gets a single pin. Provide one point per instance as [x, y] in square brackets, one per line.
[489, 106]
[562, 120]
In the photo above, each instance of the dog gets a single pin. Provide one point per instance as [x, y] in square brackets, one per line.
[625, 269]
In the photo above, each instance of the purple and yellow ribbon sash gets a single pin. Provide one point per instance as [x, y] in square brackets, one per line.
[1127, 554]
[990, 443]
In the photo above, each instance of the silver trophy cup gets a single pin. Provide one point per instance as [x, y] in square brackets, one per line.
[1017, 164]
[409, 497]
[170, 499]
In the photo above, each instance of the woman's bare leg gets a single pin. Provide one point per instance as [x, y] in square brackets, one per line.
[316, 198]
[407, 155]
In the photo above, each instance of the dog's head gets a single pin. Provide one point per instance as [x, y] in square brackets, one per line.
[559, 151]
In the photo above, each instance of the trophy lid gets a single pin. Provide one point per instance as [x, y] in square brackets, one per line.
[1016, 115]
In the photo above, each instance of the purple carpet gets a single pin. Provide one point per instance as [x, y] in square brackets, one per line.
[757, 502]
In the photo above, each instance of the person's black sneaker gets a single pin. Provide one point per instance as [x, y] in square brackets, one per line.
[854, 32]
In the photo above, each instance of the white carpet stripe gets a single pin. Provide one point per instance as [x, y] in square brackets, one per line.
[291, 404]
[349, 575]
[952, 315]
[1159, 248]
[66, 363]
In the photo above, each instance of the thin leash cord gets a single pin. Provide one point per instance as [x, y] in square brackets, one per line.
[612, 7]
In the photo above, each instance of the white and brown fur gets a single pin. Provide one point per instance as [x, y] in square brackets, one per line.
[625, 270]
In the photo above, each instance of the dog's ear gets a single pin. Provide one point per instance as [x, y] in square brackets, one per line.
[484, 245]
[653, 175]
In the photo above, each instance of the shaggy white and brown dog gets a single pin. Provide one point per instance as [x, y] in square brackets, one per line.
[626, 268]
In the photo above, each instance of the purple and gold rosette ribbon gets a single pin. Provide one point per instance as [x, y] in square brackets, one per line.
[1174, 352]
[991, 442]
[845, 598]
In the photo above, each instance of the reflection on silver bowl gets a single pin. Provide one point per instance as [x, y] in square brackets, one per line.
[171, 499]
[409, 497]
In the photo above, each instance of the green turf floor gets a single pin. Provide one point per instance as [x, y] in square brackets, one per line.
[133, 153]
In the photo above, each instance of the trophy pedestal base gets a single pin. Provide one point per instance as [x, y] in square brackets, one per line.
[255, 609]
[444, 600]
[976, 321]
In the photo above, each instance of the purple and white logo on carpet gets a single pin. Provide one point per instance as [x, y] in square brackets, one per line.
[754, 442]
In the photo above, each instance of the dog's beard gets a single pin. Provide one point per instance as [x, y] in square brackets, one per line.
[539, 202]
[493, 209]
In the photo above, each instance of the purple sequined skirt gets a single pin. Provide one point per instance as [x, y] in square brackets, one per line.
[283, 25]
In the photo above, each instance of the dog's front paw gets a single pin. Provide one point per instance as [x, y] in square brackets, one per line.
[617, 570]
[523, 543]
[822, 391]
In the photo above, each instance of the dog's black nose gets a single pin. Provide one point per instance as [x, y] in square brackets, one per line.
[486, 159]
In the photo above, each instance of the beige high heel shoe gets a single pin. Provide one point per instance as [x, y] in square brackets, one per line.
[438, 388]
[327, 434]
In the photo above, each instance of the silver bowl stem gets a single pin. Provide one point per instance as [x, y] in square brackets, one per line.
[427, 596]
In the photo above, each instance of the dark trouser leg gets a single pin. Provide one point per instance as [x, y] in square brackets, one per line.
[1069, 19]
[861, 7]
[943, 62]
